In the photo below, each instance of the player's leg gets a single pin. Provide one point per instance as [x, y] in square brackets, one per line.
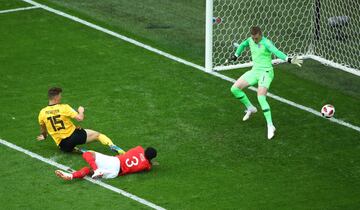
[90, 157]
[264, 84]
[262, 91]
[108, 166]
[94, 135]
[75, 175]
[237, 90]
[78, 137]
[81, 173]
[66, 145]
[103, 165]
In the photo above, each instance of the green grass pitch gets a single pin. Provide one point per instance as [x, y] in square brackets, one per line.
[209, 158]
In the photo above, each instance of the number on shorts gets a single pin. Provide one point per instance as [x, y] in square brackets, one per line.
[130, 163]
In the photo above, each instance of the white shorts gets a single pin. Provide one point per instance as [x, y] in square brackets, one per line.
[109, 165]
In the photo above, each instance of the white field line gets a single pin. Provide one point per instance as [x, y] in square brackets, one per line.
[64, 167]
[112, 33]
[18, 9]
[180, 60]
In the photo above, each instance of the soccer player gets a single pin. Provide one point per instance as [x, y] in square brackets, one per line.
[55, 119]
[262, 73]
[108, 167]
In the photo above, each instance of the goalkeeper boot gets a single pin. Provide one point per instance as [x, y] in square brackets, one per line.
[248, 112]
[271, 131]
[117, 149]
[64, 175]
[97, 174]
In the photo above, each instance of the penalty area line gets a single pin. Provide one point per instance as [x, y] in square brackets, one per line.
[183, 61]
[18, 9]
[97, 182]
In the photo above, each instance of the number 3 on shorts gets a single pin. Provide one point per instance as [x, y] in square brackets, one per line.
[133, 162]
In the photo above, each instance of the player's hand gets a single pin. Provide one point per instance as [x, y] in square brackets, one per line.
[231, 59]
[81, 109]
[296, 60]
[40, 137]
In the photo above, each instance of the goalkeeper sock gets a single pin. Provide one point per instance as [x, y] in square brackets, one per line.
[81, 173]
[266, 109]
[239, 94]
[89, 158]
[105, 140]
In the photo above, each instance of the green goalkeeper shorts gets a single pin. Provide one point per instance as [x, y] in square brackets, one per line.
[261, 77]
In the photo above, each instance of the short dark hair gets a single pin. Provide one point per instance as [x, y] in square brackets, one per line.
[150, 153]
[54, 91]
[255, 30]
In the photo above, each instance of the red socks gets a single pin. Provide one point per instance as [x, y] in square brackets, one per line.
[81, 173]
[88, 157]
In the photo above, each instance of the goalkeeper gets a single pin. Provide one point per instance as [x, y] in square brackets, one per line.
[262, 73]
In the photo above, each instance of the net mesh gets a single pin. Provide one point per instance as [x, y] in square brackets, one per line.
[329, 29]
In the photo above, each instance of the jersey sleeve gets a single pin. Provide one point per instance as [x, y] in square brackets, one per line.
[271, 47]
[70, 112]
[241, 47]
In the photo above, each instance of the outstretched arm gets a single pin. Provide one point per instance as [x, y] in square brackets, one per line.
[242, 47]
[271, 47]
[239, 50]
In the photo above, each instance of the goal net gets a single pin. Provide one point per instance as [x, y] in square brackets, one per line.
[324, 30]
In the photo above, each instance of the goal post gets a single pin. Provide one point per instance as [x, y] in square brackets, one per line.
[323, 30]
[209, 35]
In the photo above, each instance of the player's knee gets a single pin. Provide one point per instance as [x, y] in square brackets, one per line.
[234, 89]
[96, 135]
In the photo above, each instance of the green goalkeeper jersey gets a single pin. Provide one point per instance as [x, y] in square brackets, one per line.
[260, 52]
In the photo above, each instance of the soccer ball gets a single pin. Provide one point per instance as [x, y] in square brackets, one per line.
[328, 111]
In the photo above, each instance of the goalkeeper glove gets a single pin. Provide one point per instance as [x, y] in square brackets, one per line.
[295, 60]
[232, 59]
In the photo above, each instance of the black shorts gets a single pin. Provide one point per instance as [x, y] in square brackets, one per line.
[76, 138]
